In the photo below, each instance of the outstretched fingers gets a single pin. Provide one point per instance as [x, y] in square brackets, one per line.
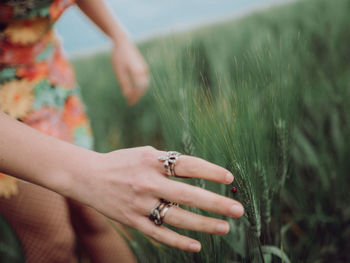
[189, 195]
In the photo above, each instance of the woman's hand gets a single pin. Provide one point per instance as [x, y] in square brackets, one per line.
[126, 185]
[130, 69]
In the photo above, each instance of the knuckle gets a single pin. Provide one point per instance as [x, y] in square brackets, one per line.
[148, 148]
[142, 187]
[136, 188]
[149, 186]
[148, 155]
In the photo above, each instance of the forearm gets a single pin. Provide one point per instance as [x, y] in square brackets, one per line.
[98, 12]
[38, 158]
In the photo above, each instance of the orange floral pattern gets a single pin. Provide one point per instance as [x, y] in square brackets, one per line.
[49, 121]
[60, 71]
[73, 114]
[16, 98]
[37, 83]
[33, 72]
[14, 55]
[27, 31]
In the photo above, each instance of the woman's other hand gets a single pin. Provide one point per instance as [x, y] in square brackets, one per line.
[130, 69]
[126, 185]
[129, 66]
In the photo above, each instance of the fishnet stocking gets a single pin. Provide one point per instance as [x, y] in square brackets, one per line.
[46, 222]
[40, 218]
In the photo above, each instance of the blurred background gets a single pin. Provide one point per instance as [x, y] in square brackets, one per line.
[144, 19]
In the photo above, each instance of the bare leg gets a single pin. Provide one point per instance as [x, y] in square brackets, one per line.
[41, 220]
[100, 240]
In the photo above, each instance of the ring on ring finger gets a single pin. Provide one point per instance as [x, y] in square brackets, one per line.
[158, 213]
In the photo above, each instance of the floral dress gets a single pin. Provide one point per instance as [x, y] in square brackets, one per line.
[37, 83]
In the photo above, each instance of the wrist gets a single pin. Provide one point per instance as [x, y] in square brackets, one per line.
[120, 38]
[75, 174]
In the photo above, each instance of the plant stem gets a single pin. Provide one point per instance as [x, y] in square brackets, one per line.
[260, 251]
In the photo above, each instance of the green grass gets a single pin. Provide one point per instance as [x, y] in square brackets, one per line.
[267, 97]
[10, 248]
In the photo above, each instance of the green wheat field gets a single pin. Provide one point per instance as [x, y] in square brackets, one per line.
[268, 97]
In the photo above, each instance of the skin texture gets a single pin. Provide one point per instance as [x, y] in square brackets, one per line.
[129, 66]
[124, 185]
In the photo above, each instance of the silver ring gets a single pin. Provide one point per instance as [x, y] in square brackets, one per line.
[169, 162]
[158, 213]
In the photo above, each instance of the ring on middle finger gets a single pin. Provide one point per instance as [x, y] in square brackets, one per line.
[169, 162]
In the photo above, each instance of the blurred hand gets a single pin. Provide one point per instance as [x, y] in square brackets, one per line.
[130, 69]
[127, 184]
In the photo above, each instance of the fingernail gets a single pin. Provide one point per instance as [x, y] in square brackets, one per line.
[195, 247]
[222, 228]
[229, 178]
[237, 210]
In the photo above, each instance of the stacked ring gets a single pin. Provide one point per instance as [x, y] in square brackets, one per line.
[169, 162]
[158, 213]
